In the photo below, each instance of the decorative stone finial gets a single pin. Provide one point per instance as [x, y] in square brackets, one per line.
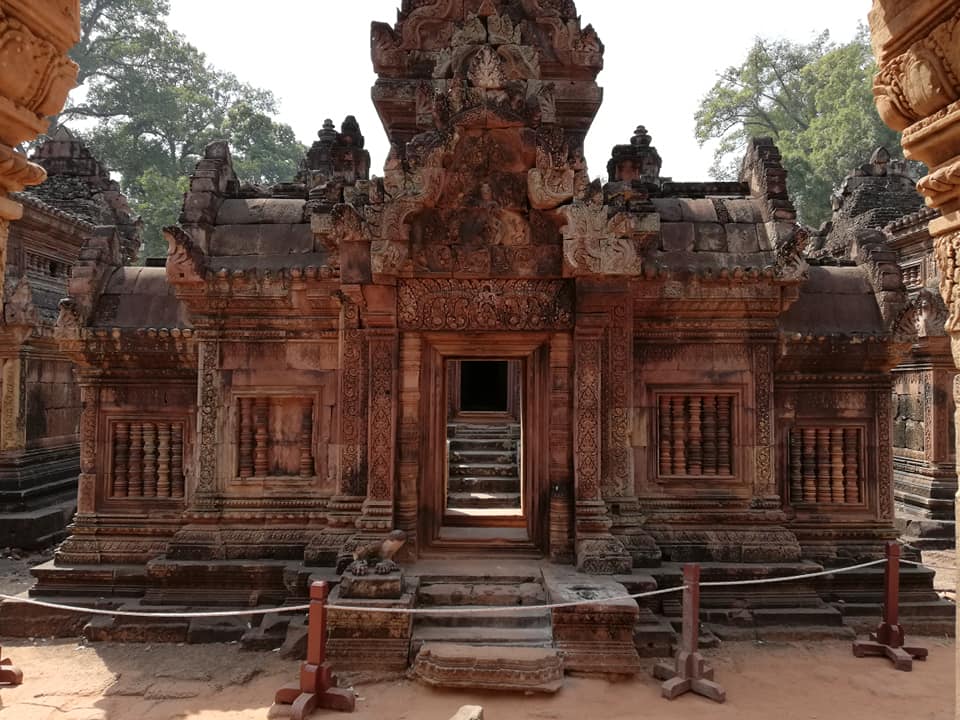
[637, 161]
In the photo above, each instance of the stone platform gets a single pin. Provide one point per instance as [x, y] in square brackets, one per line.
[520, 669]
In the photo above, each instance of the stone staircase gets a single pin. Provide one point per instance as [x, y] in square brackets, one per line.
[484, 467]
[485, 627]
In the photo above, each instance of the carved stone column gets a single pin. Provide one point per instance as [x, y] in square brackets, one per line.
[35, 77]
[382, 347]
[597, 550]
[917, 91]
[345, 506]
[12, 404]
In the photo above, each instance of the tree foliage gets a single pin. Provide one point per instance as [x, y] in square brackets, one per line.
[814, 100]
[151, 101]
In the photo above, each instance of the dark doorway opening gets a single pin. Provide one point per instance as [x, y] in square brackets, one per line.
[484, 386]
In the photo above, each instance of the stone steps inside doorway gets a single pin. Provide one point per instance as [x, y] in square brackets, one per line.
[483, 466]
[481, 500]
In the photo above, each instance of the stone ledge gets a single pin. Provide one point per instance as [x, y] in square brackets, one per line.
[489, 667]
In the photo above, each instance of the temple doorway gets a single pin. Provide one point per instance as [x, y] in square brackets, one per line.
[484, 444]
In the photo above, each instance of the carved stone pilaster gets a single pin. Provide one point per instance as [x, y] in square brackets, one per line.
[382, 430]
[12, 403]
[597, 550]
[89, 413]
[765, 486]
[209, 404]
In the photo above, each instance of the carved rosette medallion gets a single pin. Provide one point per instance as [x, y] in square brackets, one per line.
[444, 304]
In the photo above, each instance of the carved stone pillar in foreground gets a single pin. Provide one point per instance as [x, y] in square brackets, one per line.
[917, 91]
[35, 77]
[596, 548]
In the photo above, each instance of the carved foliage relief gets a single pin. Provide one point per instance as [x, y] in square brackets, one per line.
[587, 417]
[485, 305]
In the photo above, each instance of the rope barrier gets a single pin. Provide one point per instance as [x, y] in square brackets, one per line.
[432, 610]
[764, 581]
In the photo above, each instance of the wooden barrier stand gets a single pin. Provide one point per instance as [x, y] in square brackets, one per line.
[317, 688]
[9, 674]
[689, 671]
[889, 638]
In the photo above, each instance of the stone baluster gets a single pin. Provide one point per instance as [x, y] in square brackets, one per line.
[809, 465]
[163, 460]
[666, 457]
[176, 461]
[135, 471]
[836, 465]
[306, 440]
[149, 460]
[121, 448]
[796, 466]
[823, 465]
[261, 418]
[724, 435]
[710, 435]
[246, 437]
[678, 422]
[851, 465]
[694, 438]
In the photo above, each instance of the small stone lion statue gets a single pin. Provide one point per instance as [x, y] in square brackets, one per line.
[380, 550]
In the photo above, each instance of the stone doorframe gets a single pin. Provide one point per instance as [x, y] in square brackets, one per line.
[533, 350]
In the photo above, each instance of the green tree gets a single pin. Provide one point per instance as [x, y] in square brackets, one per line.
[150, 102]
[815, 100]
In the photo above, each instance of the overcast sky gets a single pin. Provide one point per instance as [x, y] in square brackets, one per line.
[661, 59]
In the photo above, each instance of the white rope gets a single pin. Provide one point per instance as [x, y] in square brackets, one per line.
[433, 610]
[132, 613]
[507, 608]
[764, 581]
[350, 608]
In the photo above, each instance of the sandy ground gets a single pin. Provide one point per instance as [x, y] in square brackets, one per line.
[67, 680]
[823, 681]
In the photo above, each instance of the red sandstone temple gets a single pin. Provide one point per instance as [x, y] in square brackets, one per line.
[491, 352]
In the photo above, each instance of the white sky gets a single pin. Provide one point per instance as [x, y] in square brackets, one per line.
[661, 58]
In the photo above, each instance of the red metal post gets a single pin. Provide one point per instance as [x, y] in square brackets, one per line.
[318, 685]
[9, 674]
[888, 640]
[689, 672]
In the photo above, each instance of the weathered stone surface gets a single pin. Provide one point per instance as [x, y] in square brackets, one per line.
[596, 635]
[371, 587]
[511, 669]
[469, 712]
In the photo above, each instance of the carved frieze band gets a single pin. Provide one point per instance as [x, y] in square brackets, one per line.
[448, 304]
[587, 417]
